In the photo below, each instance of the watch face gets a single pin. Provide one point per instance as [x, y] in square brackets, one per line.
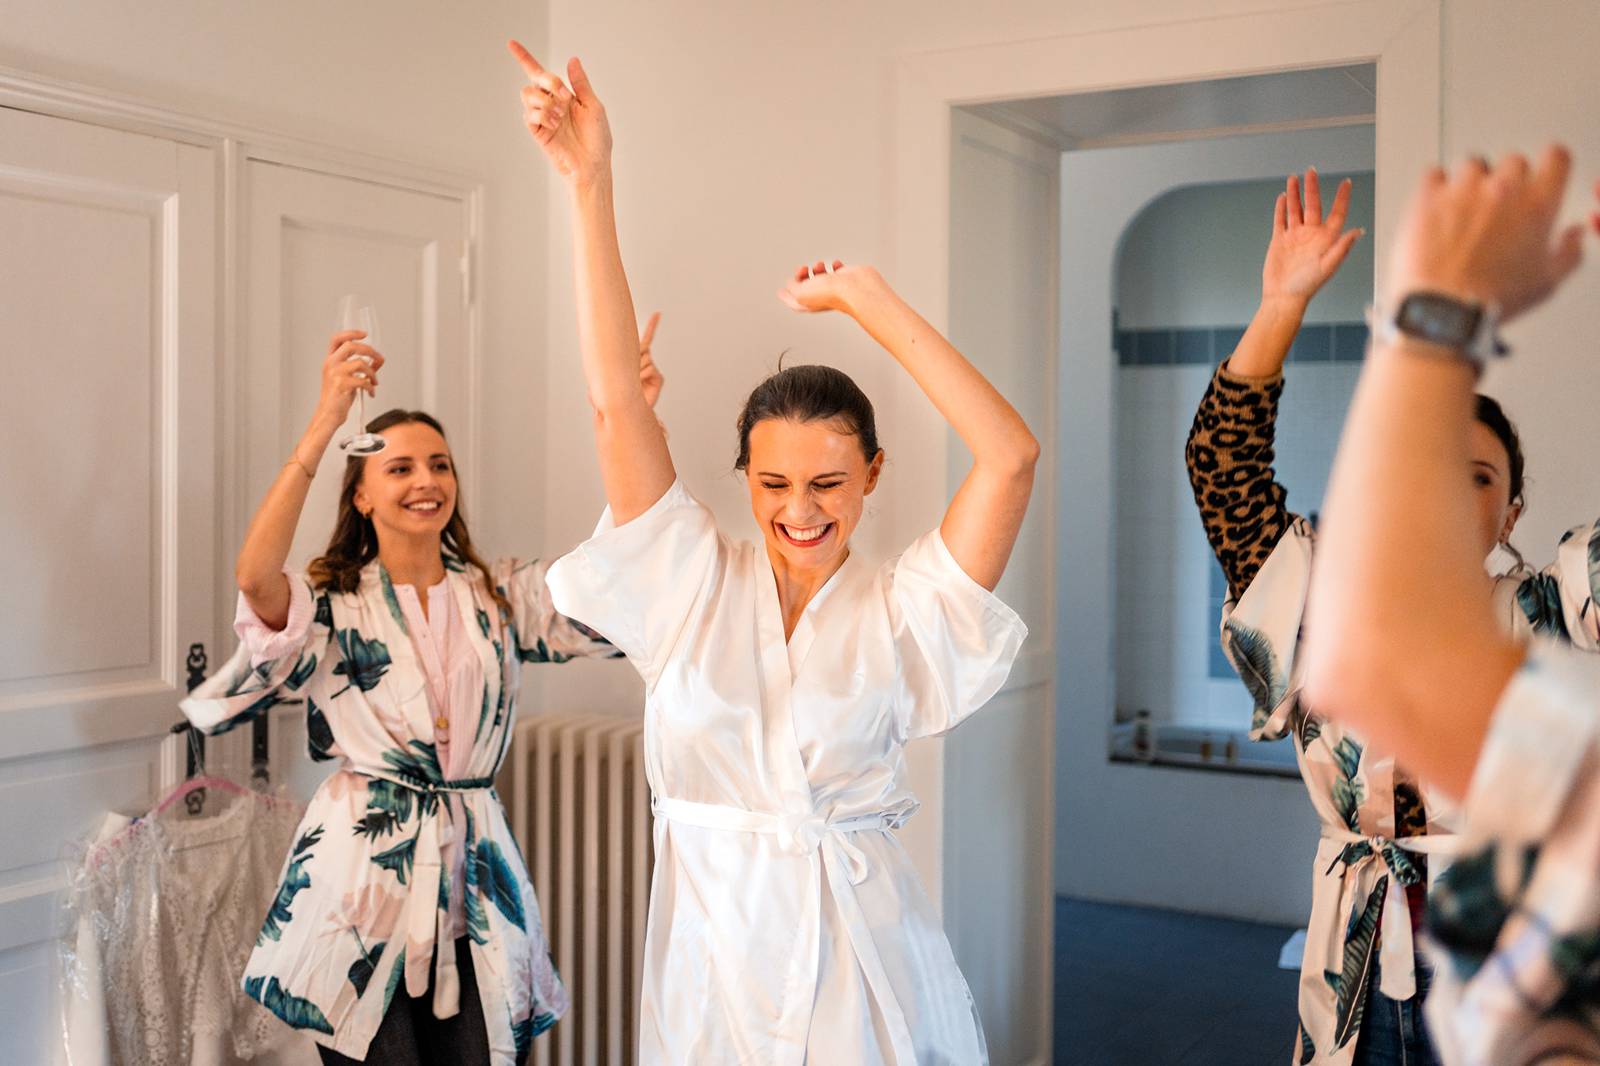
[1440, 319]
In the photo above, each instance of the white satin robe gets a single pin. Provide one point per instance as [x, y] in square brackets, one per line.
[786, 922]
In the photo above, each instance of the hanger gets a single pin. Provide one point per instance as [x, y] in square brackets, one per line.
[197, 786]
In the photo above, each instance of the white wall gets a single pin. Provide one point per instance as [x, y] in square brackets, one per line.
[750, 138]
[1510, 84]
[1243, 844]
[1192, 257]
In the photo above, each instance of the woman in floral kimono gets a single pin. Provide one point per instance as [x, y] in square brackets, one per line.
[405, 929]
[784, 678]
[1361, 990]
[1509, 725]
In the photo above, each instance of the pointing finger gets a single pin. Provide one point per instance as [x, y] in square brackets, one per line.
[530, 65]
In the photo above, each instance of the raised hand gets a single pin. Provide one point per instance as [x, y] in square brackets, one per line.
[1307, 249]
[650, 379]
[828, 287]
[569, 124]
[348, 367]
[1488, 235]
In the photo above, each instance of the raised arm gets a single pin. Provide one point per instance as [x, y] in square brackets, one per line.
[259, 568]
[1229, 451]
[980, 526]
[1306, 250]
[1401, 639]
[571, 126]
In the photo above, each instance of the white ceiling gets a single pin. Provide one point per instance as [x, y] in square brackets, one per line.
[1329, 96]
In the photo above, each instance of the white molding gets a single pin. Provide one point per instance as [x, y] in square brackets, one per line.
[231, 520]
[472, 290]
[1331, 122]
[168, 410]
[88, 718]
[29, 912]
[51, 96]
[1045, 134]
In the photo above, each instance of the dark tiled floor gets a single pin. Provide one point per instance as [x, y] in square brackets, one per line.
[1139, 987]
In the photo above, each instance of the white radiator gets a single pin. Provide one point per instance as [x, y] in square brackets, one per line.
[580, 809]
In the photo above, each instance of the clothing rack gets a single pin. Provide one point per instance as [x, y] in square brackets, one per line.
[195, 756]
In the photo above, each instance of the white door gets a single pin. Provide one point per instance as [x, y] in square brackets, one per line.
[998, 899]
[309, 238]
[107, 340]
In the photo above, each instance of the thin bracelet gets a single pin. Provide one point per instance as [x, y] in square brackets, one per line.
[295, 459]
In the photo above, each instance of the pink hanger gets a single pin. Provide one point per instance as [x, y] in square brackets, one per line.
[188, 787]
[221, 784]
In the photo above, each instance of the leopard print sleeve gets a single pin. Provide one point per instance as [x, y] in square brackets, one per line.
[1229, 456]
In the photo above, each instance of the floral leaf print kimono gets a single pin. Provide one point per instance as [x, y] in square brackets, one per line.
[786, 922]
[1379, 826]
[1514, 927]
[405, 845]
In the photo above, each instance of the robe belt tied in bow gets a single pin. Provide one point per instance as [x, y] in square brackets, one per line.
[826, 842]
[422, 912]
[1365, 859]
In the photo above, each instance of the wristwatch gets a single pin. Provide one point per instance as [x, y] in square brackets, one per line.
[1462, 328]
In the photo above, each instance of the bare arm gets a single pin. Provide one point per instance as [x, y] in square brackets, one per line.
[980, 526]
[259, 568]
[1401, 640]
[571, 126]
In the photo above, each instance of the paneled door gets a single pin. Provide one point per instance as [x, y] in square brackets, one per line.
[309, 237]
[108, 341]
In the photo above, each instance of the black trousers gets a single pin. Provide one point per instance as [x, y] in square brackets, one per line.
[410, 1035]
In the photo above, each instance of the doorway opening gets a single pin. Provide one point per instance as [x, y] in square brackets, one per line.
[1164, 200]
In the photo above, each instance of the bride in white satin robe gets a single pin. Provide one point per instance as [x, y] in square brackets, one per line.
[784, 678]
[786, 921]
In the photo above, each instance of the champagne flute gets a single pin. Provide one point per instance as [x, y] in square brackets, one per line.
[357, 313]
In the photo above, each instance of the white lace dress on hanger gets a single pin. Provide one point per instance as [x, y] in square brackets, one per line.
[172, 907]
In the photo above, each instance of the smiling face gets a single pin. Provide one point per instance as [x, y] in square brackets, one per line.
[808, 485]
[1496, 511]
[409, 488]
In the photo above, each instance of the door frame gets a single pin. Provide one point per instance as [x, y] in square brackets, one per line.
[1403, 37]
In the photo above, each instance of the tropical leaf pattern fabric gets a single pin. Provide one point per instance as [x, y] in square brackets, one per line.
[294, 880]
[1515, 925]
[1377, 823]
[341, 936]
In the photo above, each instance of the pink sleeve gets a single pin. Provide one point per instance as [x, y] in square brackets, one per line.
[266, 643]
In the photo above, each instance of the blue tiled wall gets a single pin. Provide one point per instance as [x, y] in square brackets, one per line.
[1339, 342]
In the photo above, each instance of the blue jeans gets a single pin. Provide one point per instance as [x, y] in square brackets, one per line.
[1392, 1030]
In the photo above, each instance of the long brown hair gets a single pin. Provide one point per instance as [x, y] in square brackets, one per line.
[354, 543]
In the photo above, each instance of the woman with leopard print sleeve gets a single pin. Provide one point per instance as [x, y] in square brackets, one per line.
[1361, 989]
